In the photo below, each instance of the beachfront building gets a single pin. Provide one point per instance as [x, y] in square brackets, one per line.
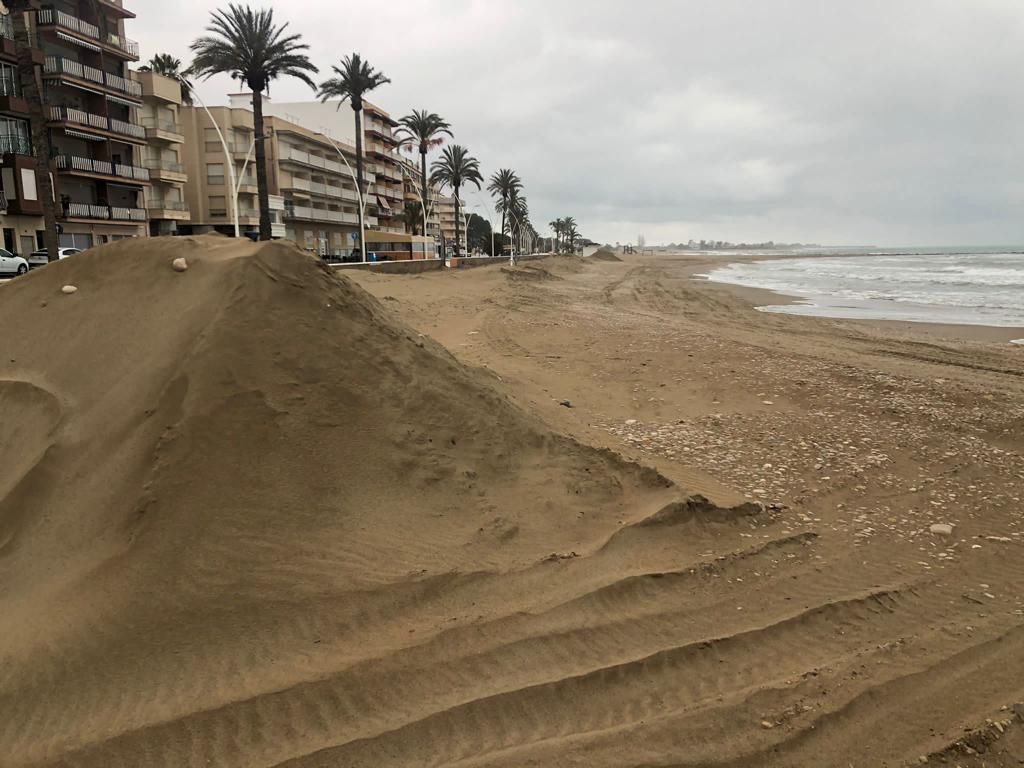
[165, 199]
[446, 220]
[413, 192]
[313, 196]
[20, 209]
[96, 140]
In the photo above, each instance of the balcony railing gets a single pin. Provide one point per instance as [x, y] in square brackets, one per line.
[18, 145]
[168, 126]
[6, 27]
[88, 119]
[56, 65]
[9, 84]
[165, 165]
[51, 16]
[48, 16]
[167, 205]
[128, 129]
[89, 165]
[86, 211]
[127, 214]
[128, 46]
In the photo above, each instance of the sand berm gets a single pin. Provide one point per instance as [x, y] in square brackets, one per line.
[248, 518]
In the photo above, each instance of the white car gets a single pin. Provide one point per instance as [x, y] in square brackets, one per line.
[11, 265]
[38, 258]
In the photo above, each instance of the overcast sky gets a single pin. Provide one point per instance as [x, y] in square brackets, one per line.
[886, 122]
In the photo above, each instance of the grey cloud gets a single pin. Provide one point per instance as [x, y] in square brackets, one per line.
[885, 122]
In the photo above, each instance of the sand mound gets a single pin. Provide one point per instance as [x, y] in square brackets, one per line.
[604, 254]
[250, 519]
[528, 273]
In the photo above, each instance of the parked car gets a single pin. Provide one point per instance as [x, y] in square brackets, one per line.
[11, 265]
[38, 258]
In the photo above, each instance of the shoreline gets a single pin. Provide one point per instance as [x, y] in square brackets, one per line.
[758, 297]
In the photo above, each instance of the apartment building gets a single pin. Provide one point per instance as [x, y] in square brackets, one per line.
[165, 198]
[20, 210]
[413, 193]
[313, 184]
[446, 220]
[96, 139]
[388, 171]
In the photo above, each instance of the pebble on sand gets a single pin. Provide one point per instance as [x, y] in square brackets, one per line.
[69, 289]
[942, 529]
[179, 265]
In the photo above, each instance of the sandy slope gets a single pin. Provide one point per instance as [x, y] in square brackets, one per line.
[857, 638]
[250, 518]
[247, 518]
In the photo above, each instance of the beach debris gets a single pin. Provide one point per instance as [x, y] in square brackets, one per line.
[942, 529]
[69, 289]
[179, 264]
[566, 403]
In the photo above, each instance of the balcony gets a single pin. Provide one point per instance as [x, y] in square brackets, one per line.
[104, 213]
[92, 122]
[166, 170]
[320, 214]
[164, 130]
[175, 210]
[15, 145]
[56, 66]
[73, 164]
[86, 34]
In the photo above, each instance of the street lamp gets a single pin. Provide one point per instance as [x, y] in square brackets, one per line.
[359, 194]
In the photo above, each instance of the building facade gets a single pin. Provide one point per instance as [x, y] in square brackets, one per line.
[20, 209]
[446, 221]
[304, 172]
[96, 140]
[165, 198]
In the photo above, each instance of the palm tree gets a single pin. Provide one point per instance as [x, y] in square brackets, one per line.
[453, 169]
[19, 12]
[556, 227]
[571, 233]
[504, 185]
[413, 215]
[247, 45]
[167, 65]
[352, 81]
[424, 130]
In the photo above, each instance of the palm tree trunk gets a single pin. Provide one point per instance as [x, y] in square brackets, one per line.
[423, 172]
[261, 165]
[361, 191]
[37, 113]
[458, 213]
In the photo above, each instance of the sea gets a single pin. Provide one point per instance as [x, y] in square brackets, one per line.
[962, 286]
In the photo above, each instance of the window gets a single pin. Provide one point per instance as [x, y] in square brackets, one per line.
[9, 84]
[14, 136]
[212, 140]
[215, 173]
[218, 205]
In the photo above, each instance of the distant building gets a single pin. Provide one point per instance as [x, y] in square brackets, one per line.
[165, 199]
[310, 185]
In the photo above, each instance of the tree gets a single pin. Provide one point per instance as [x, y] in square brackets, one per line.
[556, 227]
[454, 169]
[425, 131]
[352, 81]
[504, 185]
[168, 66]
[412, 215]
[247, 45]
[22, 14]
[570, 232]
[478, 234]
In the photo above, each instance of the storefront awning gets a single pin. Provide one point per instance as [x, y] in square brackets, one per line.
[383, 204]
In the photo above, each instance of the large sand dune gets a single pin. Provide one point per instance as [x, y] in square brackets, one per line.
[248, 518]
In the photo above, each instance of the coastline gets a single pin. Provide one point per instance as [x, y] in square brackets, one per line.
[904, 329]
